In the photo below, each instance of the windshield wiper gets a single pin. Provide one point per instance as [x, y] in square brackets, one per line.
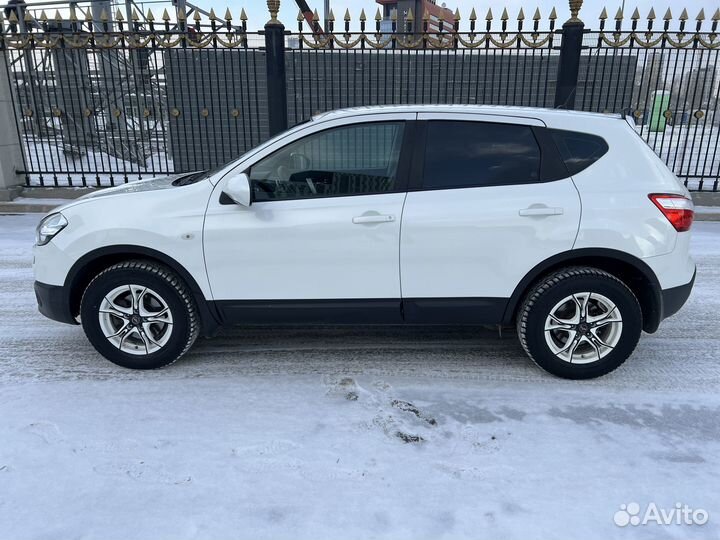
[189, 178]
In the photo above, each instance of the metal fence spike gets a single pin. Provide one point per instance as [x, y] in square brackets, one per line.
[489, 16]
[553, 15]
[43, 16]
[165, 15]
[684, 15]
[213, 17]
[134, 15]
[393, 15]
[300, 16]
[668, 15]
[457, 14]
[537, 15]
[196, 16]
[347, 15]
[181, 15]
[619, 15]
[426, 15]
[28, 17]
[331, 16]
[409, 16]
[58, 17]
[651, 15]
[716, 15]
[521, 15]
[73, 14]
[88, 15]
[228, 15]
[243, 15]
[603, 14]
[636, 15]
[378, 17]
[316, 16]
[363, 17]
[13, 18]
[504, 16]
[701, 15]
[119, 16]
[473, 15]
[150, 17]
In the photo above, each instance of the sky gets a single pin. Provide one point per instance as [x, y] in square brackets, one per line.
[258, 14]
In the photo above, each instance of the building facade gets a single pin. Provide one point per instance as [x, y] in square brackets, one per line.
[420, 10]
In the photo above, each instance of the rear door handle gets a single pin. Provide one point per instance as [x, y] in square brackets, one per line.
[376, 218]
[541, 211]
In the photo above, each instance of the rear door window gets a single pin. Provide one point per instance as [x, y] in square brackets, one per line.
[461, 154]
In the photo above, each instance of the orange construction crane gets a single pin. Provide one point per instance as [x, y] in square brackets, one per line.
[309, 16]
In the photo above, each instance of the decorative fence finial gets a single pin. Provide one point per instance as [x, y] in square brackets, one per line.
[575, 6]
[273, 8]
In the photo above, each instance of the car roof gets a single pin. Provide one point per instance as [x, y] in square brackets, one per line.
[498, 110]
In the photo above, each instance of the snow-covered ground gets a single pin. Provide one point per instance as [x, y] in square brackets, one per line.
[256, 434]
[70, 171]
[690, 151]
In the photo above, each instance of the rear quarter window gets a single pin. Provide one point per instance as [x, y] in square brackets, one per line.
[578, 150]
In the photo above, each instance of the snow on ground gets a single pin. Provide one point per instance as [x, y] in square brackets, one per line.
[299, 433]
[46, 154]
[690, 151]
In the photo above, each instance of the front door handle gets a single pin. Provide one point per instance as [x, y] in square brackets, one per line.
[541, 211]
[374, 218]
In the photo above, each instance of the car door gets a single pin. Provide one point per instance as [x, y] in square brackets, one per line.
[320, 241]
[479, 215]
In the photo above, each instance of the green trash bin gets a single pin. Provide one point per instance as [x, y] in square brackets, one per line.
[660, 104]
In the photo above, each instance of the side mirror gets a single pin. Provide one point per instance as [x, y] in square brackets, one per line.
[238, 189]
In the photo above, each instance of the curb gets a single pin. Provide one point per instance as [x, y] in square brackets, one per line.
[20, 208]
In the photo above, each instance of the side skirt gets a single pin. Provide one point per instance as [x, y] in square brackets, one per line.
[440, 311]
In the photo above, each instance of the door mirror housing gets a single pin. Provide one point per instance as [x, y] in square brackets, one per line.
[238, 189]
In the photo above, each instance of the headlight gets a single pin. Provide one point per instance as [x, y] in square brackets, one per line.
[49, 227]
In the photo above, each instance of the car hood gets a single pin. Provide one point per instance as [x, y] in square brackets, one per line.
[139, 186]
[152, 184]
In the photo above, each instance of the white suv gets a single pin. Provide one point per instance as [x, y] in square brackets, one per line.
[563, 224]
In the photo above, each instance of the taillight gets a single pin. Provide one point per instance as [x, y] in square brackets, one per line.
[676, 208]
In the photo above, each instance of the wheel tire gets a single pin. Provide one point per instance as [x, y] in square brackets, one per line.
[552, 290]
[164, 285]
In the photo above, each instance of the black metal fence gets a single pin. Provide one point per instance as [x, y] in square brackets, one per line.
[107, 99]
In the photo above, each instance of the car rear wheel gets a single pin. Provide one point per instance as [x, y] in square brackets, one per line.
[139, 314]
[579, 323]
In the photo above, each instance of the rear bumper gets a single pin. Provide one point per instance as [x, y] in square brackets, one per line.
[675, 298]
[53, 302]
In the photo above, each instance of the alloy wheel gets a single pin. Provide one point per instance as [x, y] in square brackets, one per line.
[135, 319]
[583, 327]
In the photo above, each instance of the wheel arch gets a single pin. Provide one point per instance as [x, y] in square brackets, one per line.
[93, 262]
[632, 271]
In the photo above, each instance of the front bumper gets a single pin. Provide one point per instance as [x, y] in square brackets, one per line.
[675, 298]
[54, 302]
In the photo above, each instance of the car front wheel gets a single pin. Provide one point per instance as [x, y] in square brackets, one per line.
[579, 323]
[139, 314]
